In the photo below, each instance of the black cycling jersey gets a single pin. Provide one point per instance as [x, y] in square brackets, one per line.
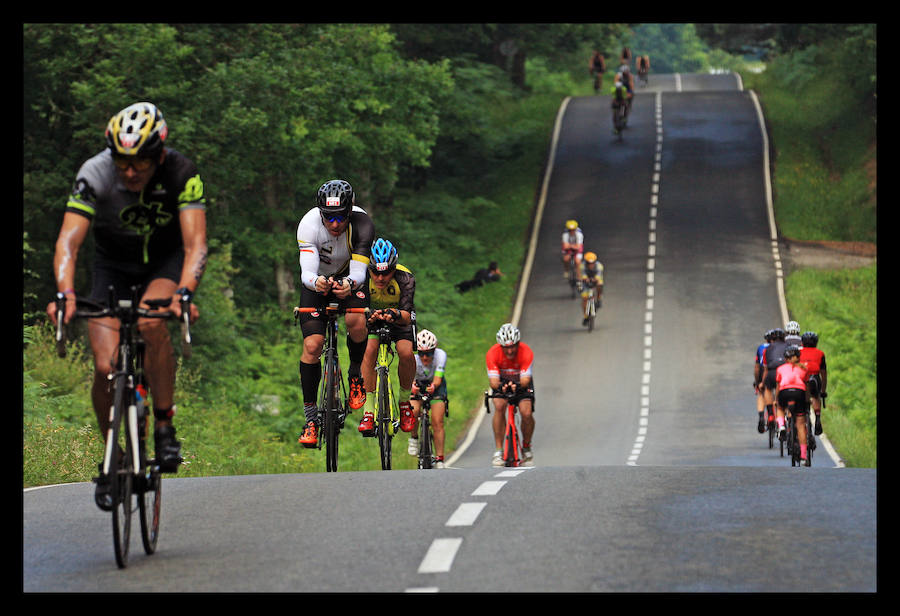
[136, 228]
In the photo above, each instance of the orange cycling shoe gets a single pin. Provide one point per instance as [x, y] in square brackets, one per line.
[407, 418]
[309, 438]
[367, 425]
[357, 393]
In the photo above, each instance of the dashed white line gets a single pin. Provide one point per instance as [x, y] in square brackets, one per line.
[440, 555]
[488, 488]
[465, 514]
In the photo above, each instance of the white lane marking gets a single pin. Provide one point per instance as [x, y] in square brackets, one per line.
[514, 473]
[440, 555]
[465, 514]
[423, 589]
[488, 488]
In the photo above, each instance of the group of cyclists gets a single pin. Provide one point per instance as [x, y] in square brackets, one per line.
[589, 271]
[622, 90]
[789, 367]
[146, 205]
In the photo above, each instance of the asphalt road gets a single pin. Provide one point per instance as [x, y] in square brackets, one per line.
[649, 473]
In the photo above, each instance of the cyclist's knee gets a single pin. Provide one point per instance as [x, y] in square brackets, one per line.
[312, 347]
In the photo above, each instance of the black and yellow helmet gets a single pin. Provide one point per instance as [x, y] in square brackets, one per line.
[137, 130]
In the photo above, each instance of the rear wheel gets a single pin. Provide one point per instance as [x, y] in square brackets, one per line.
[149, 492]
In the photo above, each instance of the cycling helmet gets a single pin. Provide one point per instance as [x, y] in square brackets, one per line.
[508, 334]
[793, 328]
[777, 334]
[809, 339]
[571, 225]
[792, 350]
[137, 130]
[383, 257]
[426, 341]
[590, 257]
[336, 198]
[768, 335]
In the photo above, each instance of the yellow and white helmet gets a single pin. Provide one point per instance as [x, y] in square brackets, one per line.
[571, 225]
[137, 130]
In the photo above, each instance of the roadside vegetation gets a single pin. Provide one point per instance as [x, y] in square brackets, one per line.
[444, 192]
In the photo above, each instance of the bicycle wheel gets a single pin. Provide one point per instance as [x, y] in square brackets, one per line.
[331, 413]
[810, 441]
[385, 428]
[149, 492]
[511, 446]
[120, 471]
[770, 425]
[426, 442]
[592, 312]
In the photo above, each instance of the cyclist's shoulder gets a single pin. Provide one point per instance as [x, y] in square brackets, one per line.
[98, 171]
[404, 271]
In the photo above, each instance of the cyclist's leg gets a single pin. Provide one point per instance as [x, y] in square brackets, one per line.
[438, 408]
[368, 374]
[526, 409]
[159, 356]
[104, 339]
[498, 422]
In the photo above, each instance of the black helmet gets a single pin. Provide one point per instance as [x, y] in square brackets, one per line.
[768, 335]
[792, 350]
[335, 198]
[778, 334]
[809, 339]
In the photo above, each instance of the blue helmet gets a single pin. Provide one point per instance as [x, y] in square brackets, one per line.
[383, 257]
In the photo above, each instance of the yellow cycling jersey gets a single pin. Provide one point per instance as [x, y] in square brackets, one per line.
[398, 293]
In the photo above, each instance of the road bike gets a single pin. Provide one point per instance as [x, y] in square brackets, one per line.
[593, 302]
[332, 398]
[387, 412]
[620, 119]
[794, 443]
[642, 76]
[572, 271]
[512, 441]
[126, 464]
[426, 435]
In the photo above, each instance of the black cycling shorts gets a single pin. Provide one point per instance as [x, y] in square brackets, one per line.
[314, 323]
[522, 394]
[398, 332]
[123, 276]
[798, 396]
[814, 386]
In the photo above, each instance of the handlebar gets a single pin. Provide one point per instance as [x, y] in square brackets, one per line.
[506, 395]
[125, 311]
[332, 309]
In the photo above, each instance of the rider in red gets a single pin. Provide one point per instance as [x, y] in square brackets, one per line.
[509, 365]
[817, 374]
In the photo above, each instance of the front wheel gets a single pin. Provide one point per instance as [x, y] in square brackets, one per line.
[512, 448]
[121, 471]
[426, 442]
[332, 429]
[383, 418]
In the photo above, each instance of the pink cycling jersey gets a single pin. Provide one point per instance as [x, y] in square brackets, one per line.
[790, 376]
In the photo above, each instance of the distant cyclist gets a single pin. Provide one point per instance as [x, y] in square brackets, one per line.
[817, 374]
[773, 356]
[792, 333]
[597, 66]
[620, 100]
[643, 67]
[146, 206]
[757, 383]
[509, 368]
[591, 276]
[431, 364]
[392, 289]
[334, 239]
[791, 381]
[572, 246]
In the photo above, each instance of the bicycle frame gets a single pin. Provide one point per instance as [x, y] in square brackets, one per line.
[512, 442]
[387, 420]
[426, 436]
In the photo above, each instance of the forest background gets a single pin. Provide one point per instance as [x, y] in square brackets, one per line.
[443, 130]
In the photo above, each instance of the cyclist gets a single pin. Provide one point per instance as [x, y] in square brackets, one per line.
[509, 368]
[791, 379]
[597, 66]
[773, 356]
[572, 245]
[625, 57]
[147, 206]
[792, 333]
[334, 239]
[643, 67]
[757, 382]
[391, 291]
[817, 374]
[620, 99]
[591, 276]
[431, 362]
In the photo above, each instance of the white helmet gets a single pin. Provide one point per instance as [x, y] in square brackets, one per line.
[793, 328]
[508, 334]
[426, 341]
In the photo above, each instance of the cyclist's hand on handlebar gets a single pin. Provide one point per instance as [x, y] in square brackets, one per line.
[340, 287]
[52, 309]
[176, 306]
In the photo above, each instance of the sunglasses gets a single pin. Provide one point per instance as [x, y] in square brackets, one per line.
[511, 347]
[426, 353]
[139, 163]
[335, 218]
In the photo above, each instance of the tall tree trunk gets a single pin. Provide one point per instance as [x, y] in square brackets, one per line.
[284, 278]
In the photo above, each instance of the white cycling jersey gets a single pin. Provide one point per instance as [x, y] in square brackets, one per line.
[322, 254]
[576, 238]
[438, 363]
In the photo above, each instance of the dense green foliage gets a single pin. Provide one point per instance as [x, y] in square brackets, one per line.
[423, 121]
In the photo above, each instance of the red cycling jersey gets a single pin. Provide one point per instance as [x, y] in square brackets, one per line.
[789, 376]
[498, 366]
[813, 358]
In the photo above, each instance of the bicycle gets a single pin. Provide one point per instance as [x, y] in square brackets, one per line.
[387, 412]
[126, 465]
[620, 114]
[512, 442]
[794, 444]
[642, 76]
[593, 303]
[572, 271]
[332, 399]
[426, 435]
